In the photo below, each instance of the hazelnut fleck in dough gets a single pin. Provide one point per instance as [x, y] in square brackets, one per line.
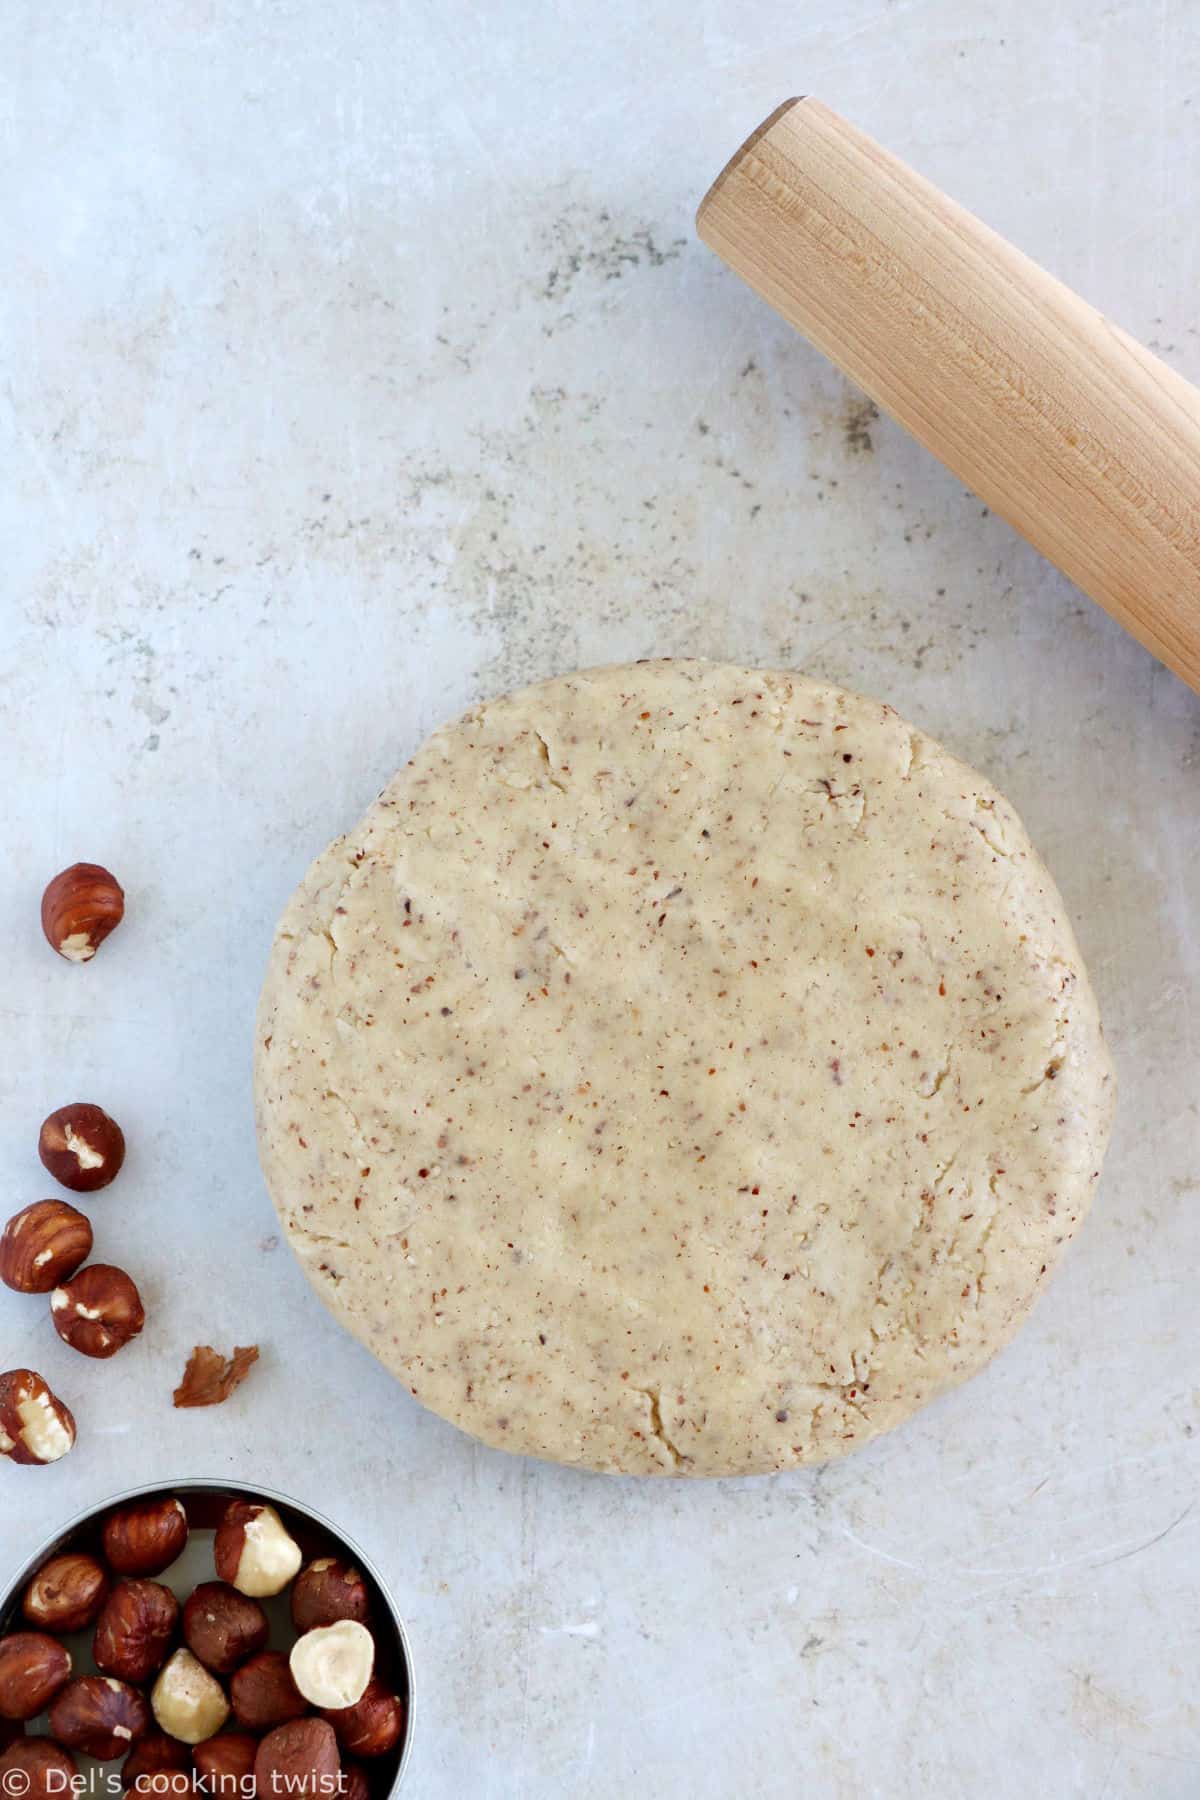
[681, 1070]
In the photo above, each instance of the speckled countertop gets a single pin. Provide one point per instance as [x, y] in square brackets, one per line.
[361, 361]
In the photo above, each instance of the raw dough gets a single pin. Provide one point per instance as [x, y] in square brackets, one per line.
[681, 1070]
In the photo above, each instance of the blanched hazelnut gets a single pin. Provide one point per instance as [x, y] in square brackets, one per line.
[66, 1593]
[43, 1244]
[264, 1693]
[332, 1664]
[79, 909]
[145, 1537]
[225, 1764]
[254, 1551]
[298, 1762]
[82, 1147]
[223, 1627]
[134, 1630]
[98, 1311]
[35, 1426]
[98, 1715]
[33, 1768]
[328, 1590]
[188, 1702]
[372, 1727]
[155, 1754]
[33, 1667]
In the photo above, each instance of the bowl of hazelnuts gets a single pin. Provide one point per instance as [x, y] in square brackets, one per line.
[202, 1640]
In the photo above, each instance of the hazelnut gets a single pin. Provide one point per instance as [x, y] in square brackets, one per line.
[176, 1782]
[36, 1769]
[225, 1764]
[98, 1311]
[188, 1702]
[79, 909]
[254, 1550]
[145, 1537]
[35, 1426]
[155, 1754]
[372, 1727]
[43, 1244]
[81, 1147]
[332, 1664]
[326, 1591]
[99, 1716]
[300, 1759]
[264, 1693]
[32, 1669]
[66, 1593]
[222, 1627]
[134, 1630]
[356, 1783]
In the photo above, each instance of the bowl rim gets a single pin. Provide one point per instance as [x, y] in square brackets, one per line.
[251, 1490]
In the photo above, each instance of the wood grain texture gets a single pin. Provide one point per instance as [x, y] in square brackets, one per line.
[1082, 439]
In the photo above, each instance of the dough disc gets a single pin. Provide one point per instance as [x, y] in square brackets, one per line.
[681, 1070]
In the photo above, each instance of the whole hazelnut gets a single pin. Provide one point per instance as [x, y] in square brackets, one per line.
[37, 1769]
[222, 1627]
[32, 1669]
[98, 1311]
[35, 1426]
[254, 1551]
[145, 1537]
[356, 1783]
[43, 1244]
[188, 1702]
[134, 1630]
[155, 1754]
[98, 1715]
[66, 1593]
[300, 1759]
[175, 1782]
[264, 1693]
[81, 1147]
[79, 909]
[332, 1664]
[225, 1764]
[372, 1727]
[328, 1590]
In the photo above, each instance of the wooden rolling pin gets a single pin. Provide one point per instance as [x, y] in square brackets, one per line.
[1079, 437]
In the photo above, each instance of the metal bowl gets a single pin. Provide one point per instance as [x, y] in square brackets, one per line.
[204, 1501]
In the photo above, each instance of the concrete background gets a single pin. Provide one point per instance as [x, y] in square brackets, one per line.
[359, 360]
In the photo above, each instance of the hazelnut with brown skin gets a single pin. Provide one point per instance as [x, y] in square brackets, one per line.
[371, 1728]
[37, 1769]
[328, 1590]
[155, 1754]
[297, 1762]
[225, 1764]
[66, 1593]
[134, 1630]
[79, 909]
[81, 1147]
[356, 1783]
[222, 1627]
[43, 1244]
[145, 1537]
[98, 1311]
[264, 1693]
[35, 1426]
[253, 1549]
[175, 1783]
[33, 1667]
[98, 1716]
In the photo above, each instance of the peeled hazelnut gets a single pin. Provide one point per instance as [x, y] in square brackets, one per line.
[36, 1769]
[326, 1591]
[356, 1783]
[188, 1702]
[66, 1593]
[98, 1311]
[264, 1693]
[225, 1764]
[134, 1630]
[155, 1754]
[43, 1244]
[300, 1759]
[145, 1537]
[254, 1551]
[332, 1664]
[222, 1627]
[79, 909]
[372, 1727]
[81, 1147]
[32, 1669]
[99, 1716]
[35, 1426]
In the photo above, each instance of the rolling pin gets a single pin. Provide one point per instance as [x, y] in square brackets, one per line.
[1085, 442]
